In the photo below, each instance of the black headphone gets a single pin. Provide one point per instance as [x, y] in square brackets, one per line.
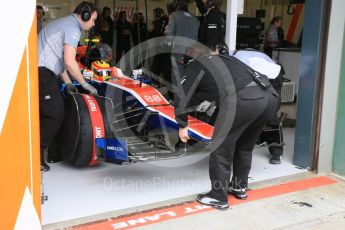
[85, 11]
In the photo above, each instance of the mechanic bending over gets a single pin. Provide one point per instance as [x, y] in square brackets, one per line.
[274, 71]
[57, 43]
[245, 101]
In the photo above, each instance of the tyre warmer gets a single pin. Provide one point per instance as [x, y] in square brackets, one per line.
[85, 120]
[96, 122]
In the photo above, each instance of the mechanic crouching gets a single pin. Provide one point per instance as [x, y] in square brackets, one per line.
[245, 101]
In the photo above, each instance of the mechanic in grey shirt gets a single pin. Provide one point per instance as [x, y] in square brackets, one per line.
[57, 43]
[181, 24]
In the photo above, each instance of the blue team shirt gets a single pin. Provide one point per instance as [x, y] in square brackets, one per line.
[51, 41]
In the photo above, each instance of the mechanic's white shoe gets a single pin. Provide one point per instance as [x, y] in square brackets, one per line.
[240, 193]
[206, 199]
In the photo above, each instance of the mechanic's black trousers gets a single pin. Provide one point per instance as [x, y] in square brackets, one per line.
[254, 107]
[52, 110]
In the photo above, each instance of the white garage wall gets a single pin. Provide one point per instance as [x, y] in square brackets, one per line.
[331, 85]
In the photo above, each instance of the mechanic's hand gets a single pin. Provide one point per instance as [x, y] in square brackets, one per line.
[71, 89]
[203, 107]
[183, 134]
[211, 110]
[90, 88]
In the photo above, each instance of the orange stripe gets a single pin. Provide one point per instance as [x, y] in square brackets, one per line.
[35, 132]
[16, 168]
[294, 21]
[191, 208]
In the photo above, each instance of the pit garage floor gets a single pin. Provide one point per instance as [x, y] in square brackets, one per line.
[75, 193]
